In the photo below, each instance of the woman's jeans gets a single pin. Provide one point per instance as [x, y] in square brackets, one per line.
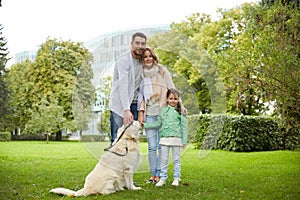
[165, 150]
[154, 150]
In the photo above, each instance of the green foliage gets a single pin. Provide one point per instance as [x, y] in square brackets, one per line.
[93, 138]
[103, 125]
[46, 119]
[60, 76]
[20, 91]
[193, 63]
[274, 32]
[240, 133]
[35, 137]
[250, 56]
[4, 97]
[5, 136]
[59, 66]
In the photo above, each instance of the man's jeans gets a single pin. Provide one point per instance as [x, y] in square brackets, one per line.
[116, 121]
[154, 150]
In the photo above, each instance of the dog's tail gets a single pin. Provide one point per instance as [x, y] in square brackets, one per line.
[64, 191]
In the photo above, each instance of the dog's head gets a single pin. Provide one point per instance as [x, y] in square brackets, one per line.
[132, 131]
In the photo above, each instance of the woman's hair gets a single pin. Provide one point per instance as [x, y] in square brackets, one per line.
[175, 92]
[155, 58]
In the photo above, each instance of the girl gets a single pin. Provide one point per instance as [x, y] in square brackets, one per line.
[173, 134]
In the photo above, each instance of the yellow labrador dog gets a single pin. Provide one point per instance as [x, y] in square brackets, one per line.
[115, 169]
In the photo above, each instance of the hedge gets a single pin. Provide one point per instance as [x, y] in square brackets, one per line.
[240, 133]
[5, 136]
[35, 137]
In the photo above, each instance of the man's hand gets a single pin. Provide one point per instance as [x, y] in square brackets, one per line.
[128, 117]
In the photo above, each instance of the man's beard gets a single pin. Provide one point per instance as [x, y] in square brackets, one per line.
[136, 54]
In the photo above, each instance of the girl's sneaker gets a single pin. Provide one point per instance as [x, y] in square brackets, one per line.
[160, 183]
[175, 182]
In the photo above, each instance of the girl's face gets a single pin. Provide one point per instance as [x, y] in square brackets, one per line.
[172, 100]
[148, 60]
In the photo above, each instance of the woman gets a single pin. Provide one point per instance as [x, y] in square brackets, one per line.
[157, 81]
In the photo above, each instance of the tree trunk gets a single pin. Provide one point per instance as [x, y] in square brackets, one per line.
[59, 136]
[47, 138]
[80, 133]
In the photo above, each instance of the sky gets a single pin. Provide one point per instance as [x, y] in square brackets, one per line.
[28, 23]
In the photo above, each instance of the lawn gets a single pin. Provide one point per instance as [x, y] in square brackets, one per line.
[28, 170]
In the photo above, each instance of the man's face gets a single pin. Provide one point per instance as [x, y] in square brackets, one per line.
[138, 45]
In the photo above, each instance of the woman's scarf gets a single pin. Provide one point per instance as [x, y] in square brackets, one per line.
[148, 86]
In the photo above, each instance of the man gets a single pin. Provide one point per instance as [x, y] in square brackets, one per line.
[128, 74]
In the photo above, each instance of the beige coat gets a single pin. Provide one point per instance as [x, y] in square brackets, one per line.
[161, 81]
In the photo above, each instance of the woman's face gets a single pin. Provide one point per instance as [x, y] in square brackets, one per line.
[148, 59]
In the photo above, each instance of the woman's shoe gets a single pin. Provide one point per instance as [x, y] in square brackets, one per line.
[151, 180]
[156, 179]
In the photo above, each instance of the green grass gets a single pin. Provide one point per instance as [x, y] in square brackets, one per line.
[28, 170]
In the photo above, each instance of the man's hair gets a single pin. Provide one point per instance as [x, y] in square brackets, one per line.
[139, 34]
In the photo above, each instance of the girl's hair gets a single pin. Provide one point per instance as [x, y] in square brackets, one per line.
[175, 92]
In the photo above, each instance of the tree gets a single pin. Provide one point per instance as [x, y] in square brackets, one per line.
[48, 117]
[58, 67]
[83, 98]
[19, 85]
[276, 53]
[229, 48]
[61, 75]
[208, 55]
[4, 107]
[180, 50]
[104, 92]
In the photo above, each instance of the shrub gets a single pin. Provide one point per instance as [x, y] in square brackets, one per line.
[93, 138]
[5, 136]
[240, 133]
[35, 137]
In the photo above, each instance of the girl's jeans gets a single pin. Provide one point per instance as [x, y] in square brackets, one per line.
[153, 147]
[164, 161]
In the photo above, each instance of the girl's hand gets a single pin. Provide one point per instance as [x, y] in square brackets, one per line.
[183, 146]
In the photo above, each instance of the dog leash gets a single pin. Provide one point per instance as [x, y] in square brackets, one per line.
[108, 148]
